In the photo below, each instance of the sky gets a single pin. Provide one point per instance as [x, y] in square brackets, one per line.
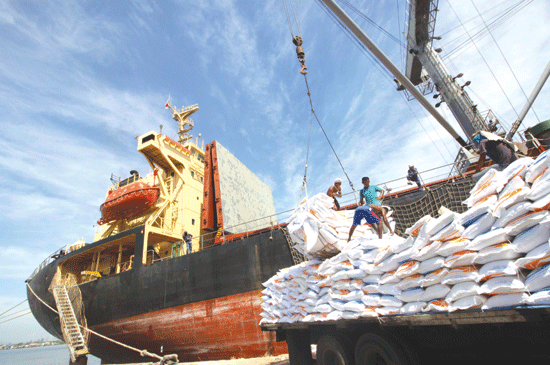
[79, 80]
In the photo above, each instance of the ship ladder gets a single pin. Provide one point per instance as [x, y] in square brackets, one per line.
[69, 324]
[297, 257]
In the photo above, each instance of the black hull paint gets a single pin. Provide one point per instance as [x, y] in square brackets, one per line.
[216, 272]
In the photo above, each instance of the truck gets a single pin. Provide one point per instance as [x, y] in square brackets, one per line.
[419, 338]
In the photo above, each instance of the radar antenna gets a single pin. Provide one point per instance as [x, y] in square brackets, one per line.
[185, 124]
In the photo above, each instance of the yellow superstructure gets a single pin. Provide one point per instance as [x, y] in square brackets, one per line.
[178, 170]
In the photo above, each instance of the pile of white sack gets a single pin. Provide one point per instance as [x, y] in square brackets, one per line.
[494, 255]
[318, 231]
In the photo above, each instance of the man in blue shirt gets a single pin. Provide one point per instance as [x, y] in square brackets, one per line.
[412, 176]
[369, 195]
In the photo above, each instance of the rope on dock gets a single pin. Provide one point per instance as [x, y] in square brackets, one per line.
[168, 359]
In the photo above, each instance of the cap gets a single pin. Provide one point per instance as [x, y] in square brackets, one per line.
[338, 180]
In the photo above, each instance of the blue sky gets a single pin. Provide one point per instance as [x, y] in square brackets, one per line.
[80, 79]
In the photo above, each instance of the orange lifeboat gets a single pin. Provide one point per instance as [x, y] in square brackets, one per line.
[128, 202]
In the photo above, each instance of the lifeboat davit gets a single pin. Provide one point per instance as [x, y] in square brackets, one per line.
[128, 202]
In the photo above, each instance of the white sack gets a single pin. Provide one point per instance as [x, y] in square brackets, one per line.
[537, 257]
[497, 268]
[496, 252]
[487, 239]
[503, 285]
[482, 225]
[462, 290]
[532, 237]
[538, 279]
[505, 300]
[470, 302]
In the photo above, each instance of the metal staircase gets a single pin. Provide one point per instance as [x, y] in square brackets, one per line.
[69, 324]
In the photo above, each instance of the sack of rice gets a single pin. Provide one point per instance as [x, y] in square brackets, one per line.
[503, 285]
[409, 282]
[496, 252]
[432, 264]
[462, 290]
[415, 228]
[497, 268]
[436, 225]
[410, 295]
[489, 184]
[492, 237]
[437, 305]
[427, 252]
[524, 222]
[510, 198]
[540, 297]
[532, 237]
[474, 301]
[505, 301]
[460, 258]
[450, 247]
[541, 187]
[513, 212]
[434, 277]
[539, 165]
[460, 274]
[485, 205]
[537, 257]
[437, 291]
[482, 225]
[413, 307]
[518, 168]
[538, 279]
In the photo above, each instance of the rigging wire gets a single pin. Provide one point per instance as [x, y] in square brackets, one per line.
[15, 306]
[304, 182]
[372, 22]
[494, 23]
[505, 60]
[301, 57]
[485, 61]
[11, 314]
[475, 17]
[385, 72]
[11, 319]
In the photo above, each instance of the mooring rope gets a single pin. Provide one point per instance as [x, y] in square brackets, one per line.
[143, 353]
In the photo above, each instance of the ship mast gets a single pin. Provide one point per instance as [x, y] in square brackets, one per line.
[363, 38]
[422, 56]
[185, 124]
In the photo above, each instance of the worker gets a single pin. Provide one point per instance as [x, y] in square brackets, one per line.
[366, 212]
[369, 194]
[497, 148]
[335, 191]
[412, 176]
[188, 238]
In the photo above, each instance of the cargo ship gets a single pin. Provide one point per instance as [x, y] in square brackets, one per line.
[134, 285]
[137, 285]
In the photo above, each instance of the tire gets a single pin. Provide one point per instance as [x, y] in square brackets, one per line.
[334, 350]
[372, 349]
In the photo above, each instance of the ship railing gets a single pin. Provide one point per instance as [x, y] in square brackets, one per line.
[129, 180]
[54, 256]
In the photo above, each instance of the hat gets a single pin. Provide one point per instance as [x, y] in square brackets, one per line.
[338, 180]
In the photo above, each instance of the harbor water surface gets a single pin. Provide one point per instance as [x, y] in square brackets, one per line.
[47, 355]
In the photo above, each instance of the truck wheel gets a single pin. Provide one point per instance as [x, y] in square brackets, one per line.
[299, 347]
[334, 350]
[372, 349]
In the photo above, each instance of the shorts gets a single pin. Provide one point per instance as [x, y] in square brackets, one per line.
[364, 211]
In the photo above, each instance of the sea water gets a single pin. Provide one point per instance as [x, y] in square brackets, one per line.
[47, 355]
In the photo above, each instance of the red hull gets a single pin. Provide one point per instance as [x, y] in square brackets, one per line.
[128, 202]
[213, 329]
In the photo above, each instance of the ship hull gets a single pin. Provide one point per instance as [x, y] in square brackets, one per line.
[202, 306]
